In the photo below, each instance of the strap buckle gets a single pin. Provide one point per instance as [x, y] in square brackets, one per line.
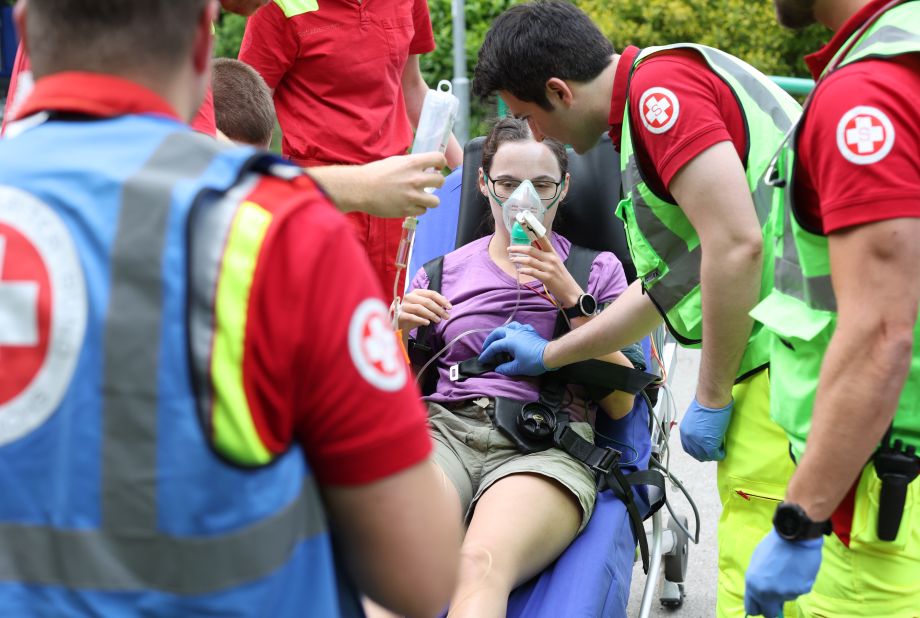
[453, 372]
[607, 461]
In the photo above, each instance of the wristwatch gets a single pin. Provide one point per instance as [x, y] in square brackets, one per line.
[585, 307]
[793, 524]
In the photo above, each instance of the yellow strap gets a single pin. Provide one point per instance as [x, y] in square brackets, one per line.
[293, 8]
[235, 434]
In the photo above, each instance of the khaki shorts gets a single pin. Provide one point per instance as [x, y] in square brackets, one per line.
[474, 455]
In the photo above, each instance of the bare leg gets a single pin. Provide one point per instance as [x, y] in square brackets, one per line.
[521, 524]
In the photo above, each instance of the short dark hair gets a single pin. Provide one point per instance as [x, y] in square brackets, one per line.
[530, 43]
[243, 106]
[110, 36]
[507, 130]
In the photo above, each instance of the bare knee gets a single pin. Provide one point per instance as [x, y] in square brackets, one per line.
[479, 567]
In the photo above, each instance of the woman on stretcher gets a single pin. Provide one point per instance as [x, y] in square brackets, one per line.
[523, 510]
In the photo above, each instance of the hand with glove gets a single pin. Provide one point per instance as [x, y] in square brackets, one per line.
[702, 431]
[524, 345]
[780, 571]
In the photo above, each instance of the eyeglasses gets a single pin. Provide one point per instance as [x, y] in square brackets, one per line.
[503, 187]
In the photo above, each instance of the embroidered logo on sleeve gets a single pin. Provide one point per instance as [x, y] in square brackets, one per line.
[659, 109]
[865, 135]
[373, 347]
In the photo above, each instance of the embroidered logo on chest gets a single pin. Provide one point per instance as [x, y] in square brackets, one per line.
[865, 135]
[659, 109]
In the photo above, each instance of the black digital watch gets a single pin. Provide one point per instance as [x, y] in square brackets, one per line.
[792, 524]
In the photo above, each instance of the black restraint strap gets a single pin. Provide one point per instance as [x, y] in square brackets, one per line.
[420, 348]
[599, 378]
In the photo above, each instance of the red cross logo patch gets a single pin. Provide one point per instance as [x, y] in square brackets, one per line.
[374, 349]
[43, 311]
[865, 135]
[659, 109]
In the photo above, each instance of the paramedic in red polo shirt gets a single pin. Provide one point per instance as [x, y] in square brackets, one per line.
[347, 89]
[850, 367]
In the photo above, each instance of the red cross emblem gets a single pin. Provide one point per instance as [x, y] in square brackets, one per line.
[659, 109]
[374, 349]
[43, 311]
[865, 135]
[25, 312]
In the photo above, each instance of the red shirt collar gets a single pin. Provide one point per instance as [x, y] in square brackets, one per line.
[618, 100]
[819, 60]
[93, 94]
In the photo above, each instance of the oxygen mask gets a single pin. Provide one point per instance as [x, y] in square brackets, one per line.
[524, 198]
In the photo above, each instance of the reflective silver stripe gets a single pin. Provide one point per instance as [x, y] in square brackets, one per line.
[683, 265]
[209, 227]
[757, 90]
[102, 560]
[763, 200]
[788, 277]
[886, 35]
[128, 552]
[132, 334]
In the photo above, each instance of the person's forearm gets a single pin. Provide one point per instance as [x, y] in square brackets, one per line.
[344, 185]
[861, 380]
[618, 403]
[627, 320]
[730, 288]
[454, 153]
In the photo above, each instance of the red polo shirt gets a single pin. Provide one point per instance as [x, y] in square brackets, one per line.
[203, 121]
[678, 108]
[337, 75]
[857, 151]
[321, 365]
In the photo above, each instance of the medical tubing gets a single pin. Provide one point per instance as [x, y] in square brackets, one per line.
[517, 304]
[653, 463]
[696, 513]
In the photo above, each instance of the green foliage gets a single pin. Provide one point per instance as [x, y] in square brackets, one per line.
[740, 27]
[439, 64]
[228, 35]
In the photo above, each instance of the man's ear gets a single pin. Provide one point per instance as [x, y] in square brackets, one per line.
[202, 47]
[20, 10]
[557, 90]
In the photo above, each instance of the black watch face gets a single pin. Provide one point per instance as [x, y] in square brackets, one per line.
[588, 304]
[787, 523]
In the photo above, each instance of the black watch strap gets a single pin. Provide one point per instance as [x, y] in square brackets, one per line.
[585, 307]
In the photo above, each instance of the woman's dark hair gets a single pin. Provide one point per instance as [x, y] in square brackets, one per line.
[507, 130]
[530, 43]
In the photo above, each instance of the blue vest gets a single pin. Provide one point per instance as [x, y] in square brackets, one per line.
[112, 501]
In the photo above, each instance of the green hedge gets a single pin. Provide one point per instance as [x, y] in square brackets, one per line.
[740, 27]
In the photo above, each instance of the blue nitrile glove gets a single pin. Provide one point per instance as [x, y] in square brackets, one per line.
[523, 343]
[780, 571]
[702, 431]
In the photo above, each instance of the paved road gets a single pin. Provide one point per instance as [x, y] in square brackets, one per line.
[700, 480]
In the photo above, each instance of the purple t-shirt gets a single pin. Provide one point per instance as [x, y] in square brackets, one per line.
[483, 296]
